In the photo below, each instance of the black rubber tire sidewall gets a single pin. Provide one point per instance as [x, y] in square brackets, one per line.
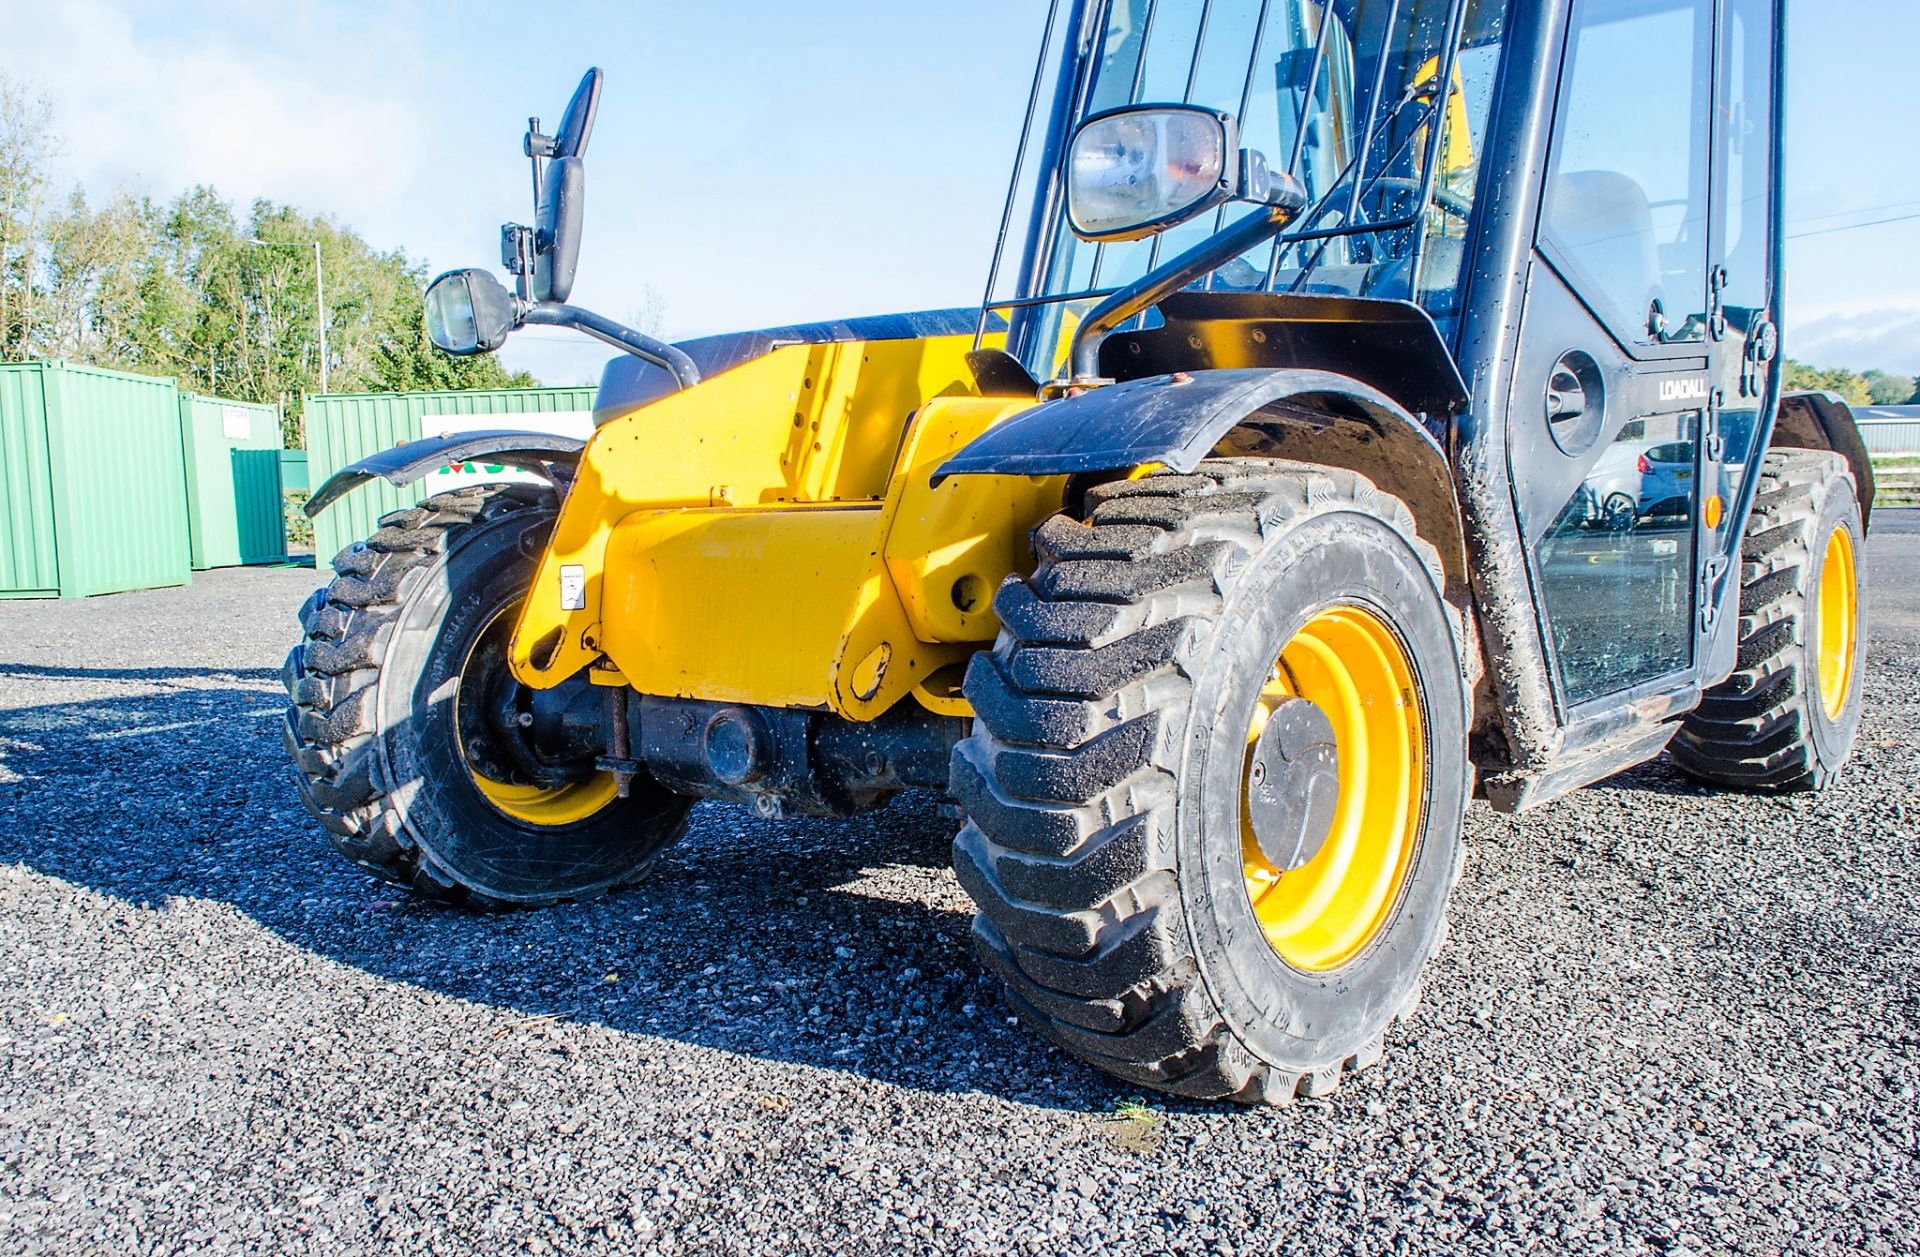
[486, 853]
[1287, 1016]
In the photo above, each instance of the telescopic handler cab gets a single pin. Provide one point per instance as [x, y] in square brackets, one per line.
[1374, 403]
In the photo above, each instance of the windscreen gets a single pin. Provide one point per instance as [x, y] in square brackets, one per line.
[1379, 107]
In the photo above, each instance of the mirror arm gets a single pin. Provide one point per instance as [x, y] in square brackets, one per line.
[620, 336]
[1210, 254]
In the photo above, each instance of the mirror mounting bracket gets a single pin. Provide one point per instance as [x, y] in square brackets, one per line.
[539, 149]
[518, 246]
[536, 144]
[669, 358]
[1170, 277]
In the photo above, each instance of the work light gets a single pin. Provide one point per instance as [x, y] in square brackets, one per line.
[1137, 171]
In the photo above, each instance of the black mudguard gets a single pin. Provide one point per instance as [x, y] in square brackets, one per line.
[1175, 420]
[1178, 420]
[1824, 421]
[1171, 419]
[404, 464]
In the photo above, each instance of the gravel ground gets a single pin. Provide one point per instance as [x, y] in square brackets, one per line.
[1667, 1021]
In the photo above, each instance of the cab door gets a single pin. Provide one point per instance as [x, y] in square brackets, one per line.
[1744, 293]
[1614, 379]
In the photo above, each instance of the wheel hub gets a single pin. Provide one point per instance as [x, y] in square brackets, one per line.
[1293, 784]
[1333, 789]
[530, 753]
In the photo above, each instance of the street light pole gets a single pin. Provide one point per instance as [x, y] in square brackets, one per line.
[320, 299]
[319, 291]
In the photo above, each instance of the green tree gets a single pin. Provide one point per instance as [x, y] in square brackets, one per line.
[26, 145]
[1888, 389]
[226, 304]
[1800, 376]
[95, 265]
[406, 360]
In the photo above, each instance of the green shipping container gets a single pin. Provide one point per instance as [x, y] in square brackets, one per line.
[293, 472]
[235, 514]
[343, 428]
[91, 496]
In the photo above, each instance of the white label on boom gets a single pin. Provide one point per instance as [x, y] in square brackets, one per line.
[573, 587]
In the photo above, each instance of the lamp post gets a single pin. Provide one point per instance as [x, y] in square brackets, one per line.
[319, 291]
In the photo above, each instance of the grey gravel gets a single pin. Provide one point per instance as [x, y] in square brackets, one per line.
[1667, 1021]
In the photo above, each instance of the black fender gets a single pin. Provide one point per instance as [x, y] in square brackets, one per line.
[1824, 421]
[403, 464]
[1178, 420]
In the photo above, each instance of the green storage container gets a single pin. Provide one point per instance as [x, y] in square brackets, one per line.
[343, 428]
[91, 496]
[293, 472]
[235, 514]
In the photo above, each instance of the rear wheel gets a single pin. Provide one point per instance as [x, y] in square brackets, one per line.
[1217, 778]
[1788, 716]
[427, 762]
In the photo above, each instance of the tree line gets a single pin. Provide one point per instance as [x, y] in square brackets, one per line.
[221, 300]
[1860, 388]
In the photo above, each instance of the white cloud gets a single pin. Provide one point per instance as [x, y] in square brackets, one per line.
[1887, 339]
[158, 106]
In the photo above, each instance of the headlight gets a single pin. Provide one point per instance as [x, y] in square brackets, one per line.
[1140, 170]
[468, 312]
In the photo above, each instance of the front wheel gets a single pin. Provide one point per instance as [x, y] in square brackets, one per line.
[428, 764]
[1217, 779]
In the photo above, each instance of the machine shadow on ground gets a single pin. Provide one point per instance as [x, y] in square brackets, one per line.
[831, 943]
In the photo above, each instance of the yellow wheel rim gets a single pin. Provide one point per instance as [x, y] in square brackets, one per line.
[1839, 623]
[549, 805]
[1350, 664]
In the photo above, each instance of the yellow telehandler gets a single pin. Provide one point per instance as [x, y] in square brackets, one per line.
[1366, 411]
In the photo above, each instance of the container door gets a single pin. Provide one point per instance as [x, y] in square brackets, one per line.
[260, 520]
[1611, 384]
[29, 565]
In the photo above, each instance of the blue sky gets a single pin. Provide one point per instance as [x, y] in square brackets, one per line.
[760, 162]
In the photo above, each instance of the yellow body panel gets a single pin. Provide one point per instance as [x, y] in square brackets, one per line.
[771, 537]
[737, 605]
[948, 548]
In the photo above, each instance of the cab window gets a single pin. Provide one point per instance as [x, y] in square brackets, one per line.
[1625, 209]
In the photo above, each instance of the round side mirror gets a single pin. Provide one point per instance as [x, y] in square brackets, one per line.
[576, 127]
[557, 246]
[468, 312]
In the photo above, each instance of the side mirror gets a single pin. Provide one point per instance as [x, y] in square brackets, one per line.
[558, 224]
[1139, 170]
[468, 312]
[576, 125]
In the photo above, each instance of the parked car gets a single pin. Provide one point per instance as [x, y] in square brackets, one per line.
[1640, 478]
